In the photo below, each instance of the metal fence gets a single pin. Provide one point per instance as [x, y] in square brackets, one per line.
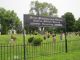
[16, 51]
[11, 52]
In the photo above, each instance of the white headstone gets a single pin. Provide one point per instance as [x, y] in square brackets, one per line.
[40, 28]
[14, 31]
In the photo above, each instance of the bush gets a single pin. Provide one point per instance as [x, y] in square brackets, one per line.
[44, 37]
[35, 33]
[37, 41]
[30, 39]
[48, 36]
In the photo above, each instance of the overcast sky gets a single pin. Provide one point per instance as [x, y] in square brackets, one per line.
[22, 6]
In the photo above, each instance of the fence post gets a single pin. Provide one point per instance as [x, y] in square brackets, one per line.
[66, 50]
[24, 44]
[1, 51]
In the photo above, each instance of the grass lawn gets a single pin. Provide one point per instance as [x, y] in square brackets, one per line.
[46, 51]
[62, 56]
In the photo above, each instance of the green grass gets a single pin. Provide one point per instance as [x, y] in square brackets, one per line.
[61, 56]
[46, 51]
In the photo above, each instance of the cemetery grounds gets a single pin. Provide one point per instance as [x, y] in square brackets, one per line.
[46, 51]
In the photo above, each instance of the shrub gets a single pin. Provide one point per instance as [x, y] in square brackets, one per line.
[30, 39]
[37, 41]
[44, 37]
[48, 36]
[35, 33]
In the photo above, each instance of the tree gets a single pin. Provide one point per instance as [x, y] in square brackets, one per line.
[77, 25]
[70, 21]
[42, 9]
[18, 28]
[8, 19]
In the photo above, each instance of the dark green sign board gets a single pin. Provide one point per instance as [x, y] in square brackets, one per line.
[41, 21]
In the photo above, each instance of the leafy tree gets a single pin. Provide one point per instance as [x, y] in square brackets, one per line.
[8, 19]
[70, 21]
[42, 9]
[77, 25]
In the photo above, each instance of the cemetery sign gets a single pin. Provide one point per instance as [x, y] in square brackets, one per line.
[41, 21]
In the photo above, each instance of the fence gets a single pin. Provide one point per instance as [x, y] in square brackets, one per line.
[11, 52]
[16, 52]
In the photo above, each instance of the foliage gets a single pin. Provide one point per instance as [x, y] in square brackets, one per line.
[70, 21]
[8, 19]
[49, 29]
[18, 28]
[77, 25]
[43, 9]
[30, 39]
[35, 33]
[37, 41]
[44, 37]
[31, 29]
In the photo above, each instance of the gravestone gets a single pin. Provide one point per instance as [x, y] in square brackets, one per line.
[12, 31]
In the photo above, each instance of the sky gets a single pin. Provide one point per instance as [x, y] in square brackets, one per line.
[22, 6]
